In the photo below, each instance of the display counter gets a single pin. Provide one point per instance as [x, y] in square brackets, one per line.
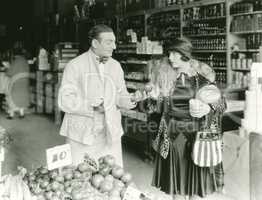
[242, 164]
[236, 165]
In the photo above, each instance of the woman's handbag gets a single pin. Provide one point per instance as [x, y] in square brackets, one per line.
[161, 143]
[207, 149]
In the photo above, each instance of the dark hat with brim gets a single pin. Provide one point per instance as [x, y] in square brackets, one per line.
[182, 46]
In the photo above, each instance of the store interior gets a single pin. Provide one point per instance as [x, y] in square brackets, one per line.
[225, 34]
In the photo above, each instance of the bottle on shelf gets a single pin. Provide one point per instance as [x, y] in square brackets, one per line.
[240, 79]
[205, 12]
[213, 61]
[204, 28]
[164, 26]
[209, 44]
[250, 23]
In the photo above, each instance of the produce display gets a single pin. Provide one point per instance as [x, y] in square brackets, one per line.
[5, 138]
[90, 180]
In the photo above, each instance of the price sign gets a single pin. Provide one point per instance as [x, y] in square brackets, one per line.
[134, 194]
[58, 156]
[2, 154]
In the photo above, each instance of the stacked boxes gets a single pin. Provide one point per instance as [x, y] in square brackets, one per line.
[149, 47]
[64, 52]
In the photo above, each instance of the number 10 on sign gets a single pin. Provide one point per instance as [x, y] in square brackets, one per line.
[58, 156]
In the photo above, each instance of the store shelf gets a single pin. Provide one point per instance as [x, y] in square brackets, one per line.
[220, 68]
[207, 35]
[206, 19]
[134, 62]
[209, 51]
[135, 85]
[137, 13]
[135, 76]
[246, 50]
[243, 70]
[246, 13]
[166, 9]
[164, 23]
[137, 54]
[134, 79]
[174, 7]
[234, 89]
[202, 3]
[165, 38]
[246, 32]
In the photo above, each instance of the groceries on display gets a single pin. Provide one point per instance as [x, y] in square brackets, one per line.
[64, 52]
[90, 180]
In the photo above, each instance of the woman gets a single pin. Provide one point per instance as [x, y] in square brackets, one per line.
[174, 172]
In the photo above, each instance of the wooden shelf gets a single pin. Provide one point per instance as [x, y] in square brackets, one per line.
[125, 53]
[246, 13]
[165, 38]
[243, 70]
[134, 114]
[234, 89]
[134, 62]
[136, 13]
[202, 3]
[134, 53]
[134, 79]
[208, 51]
[164, 24]
[165, 9]
[247, 50]
[246, 32]
[174, 7]
[220, 68]
[135, 85]
[207, 35]
[206, 19]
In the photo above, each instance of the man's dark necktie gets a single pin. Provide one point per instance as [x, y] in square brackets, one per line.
[102, 59]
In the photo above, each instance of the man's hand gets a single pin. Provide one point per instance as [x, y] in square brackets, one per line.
[98, 104]
[100, 108]
[197, 108]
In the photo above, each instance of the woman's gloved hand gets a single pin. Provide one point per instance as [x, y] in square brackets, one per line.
[137, 96]
[197, 108]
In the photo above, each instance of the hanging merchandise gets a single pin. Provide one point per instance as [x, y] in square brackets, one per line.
[86, 8]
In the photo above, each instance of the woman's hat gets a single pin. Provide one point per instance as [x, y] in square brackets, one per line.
[181, 45]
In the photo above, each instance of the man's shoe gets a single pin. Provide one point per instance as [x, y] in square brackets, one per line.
[9, 117]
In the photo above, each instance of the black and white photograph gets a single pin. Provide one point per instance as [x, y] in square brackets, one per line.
[130, 100]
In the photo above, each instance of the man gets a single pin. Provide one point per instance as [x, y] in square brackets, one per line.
[91, 93]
